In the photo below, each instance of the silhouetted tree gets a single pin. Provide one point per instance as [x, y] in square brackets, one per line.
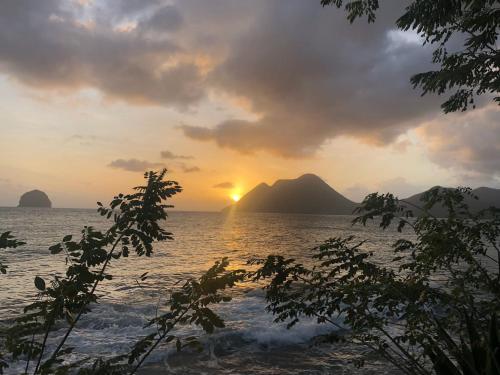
[471, 70]
[6, 241]
[434, 309]
[136, 224]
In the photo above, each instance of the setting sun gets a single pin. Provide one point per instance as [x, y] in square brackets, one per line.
[260, 136]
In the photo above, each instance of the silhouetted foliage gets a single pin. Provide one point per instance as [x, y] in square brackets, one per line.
[188, 304]
[136, 220]
[433, 310]
[7, 241]
[475, 24]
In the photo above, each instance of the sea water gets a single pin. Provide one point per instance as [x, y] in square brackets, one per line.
[251, 343]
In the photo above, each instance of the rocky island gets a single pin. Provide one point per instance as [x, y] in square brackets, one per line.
[35, 198]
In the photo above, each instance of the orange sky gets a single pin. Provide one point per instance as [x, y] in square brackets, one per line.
[233, 94]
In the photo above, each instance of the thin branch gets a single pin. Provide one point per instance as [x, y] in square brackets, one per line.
[46, 335]
[73, 323]
[160, 339]
[421, 369]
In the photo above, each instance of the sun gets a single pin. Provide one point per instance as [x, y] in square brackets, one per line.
[235, 197]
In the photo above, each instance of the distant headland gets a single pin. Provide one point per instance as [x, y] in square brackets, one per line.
[309, 194]
[35, 198]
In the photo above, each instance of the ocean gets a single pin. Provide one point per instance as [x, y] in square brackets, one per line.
[249, 344]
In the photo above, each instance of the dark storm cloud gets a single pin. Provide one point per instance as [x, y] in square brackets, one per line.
[133, 165]
[170, 155]
[312, 76]
[224, 185]
[282, 136]
[164, 19]
[52, 44]
[469, 142]
[121, 8]
[308, 74]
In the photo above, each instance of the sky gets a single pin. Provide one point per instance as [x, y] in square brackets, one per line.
[226, 95]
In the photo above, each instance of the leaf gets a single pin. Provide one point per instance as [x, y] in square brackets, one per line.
[67, 238]
[55, 249]
[39, 283]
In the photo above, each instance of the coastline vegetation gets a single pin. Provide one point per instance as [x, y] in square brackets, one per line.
[136, 224]
[433, 310]
[435, 313]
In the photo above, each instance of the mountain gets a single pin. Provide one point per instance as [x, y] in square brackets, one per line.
[35, 198]
[487, 197]
[307, 194]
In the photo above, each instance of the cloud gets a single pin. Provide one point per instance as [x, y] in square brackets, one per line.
[307, 74]
[170, 155]
[190, 169]
[224, 185]
[133, 165]
[467, 143]
[247, 137]
[184, 167]
[324, 79]
[53, 44]
[165, 19]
